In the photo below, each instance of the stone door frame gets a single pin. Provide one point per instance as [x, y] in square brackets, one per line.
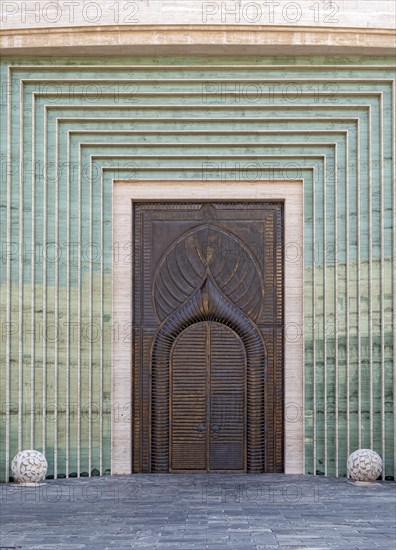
[291, 194]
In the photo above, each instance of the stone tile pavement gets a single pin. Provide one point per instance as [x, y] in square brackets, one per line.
[183, 512]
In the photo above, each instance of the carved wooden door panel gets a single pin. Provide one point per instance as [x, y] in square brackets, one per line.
[207, 400]
[208, 337]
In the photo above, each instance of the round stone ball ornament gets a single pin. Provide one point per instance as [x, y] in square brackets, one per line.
[364, 465]
[29, 467]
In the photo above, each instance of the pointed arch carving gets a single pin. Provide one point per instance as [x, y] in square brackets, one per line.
[208, 303]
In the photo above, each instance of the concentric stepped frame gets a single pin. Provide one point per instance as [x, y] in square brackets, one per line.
[73, 126]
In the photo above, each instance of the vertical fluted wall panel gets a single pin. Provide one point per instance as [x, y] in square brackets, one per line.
[72, 126]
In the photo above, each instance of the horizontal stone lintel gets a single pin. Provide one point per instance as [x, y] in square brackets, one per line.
[197, 40]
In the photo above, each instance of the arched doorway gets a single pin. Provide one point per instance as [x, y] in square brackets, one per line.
[207, 420]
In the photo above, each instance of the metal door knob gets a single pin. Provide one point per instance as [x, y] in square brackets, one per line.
[201, 428]
[215, 428]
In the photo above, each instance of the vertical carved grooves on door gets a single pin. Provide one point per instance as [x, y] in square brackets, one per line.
[208, 303]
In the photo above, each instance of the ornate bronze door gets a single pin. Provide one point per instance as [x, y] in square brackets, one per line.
[208, 337]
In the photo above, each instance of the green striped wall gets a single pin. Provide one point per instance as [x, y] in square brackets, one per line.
[70, 126]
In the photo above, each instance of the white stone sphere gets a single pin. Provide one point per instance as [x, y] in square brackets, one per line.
[29, 466]
[364, 465]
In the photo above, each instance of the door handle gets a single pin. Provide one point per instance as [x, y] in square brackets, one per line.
[215, 428]
[201, 428]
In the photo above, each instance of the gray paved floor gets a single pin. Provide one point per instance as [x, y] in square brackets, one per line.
[199, 512]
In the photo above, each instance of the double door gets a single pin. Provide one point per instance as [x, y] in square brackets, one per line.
[207, 350]
[208, 400]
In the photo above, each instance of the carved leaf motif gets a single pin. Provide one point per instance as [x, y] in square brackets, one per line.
[203, 251]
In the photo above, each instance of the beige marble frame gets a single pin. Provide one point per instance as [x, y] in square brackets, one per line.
[124, 193]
